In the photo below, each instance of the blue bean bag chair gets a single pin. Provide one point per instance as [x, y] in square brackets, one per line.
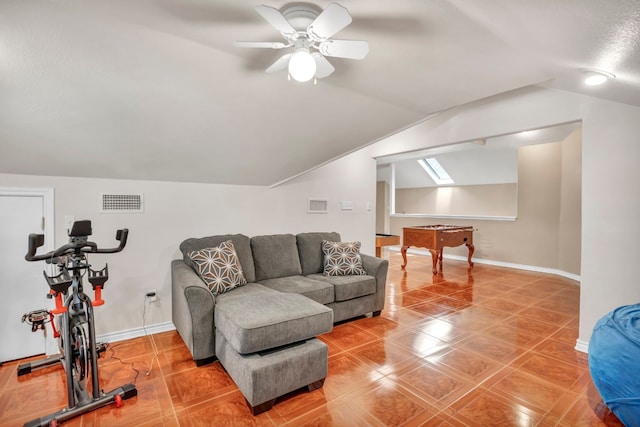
[614, 362]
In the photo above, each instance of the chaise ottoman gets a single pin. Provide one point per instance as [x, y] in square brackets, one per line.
[265, 340]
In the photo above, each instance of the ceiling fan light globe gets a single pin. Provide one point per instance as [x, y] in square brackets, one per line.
[302, 66]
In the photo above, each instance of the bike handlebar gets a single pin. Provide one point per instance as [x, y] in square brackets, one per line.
[37, 240]
[121, 236]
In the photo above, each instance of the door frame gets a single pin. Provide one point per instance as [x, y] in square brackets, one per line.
[47, 195]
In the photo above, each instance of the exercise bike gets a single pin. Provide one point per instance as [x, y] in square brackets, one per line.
[73, 325]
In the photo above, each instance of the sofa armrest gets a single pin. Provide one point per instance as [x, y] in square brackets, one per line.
[192, 310]
[377, 267]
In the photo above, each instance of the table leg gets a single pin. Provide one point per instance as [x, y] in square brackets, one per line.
[434, 260]
[379, 251]
[471, 250]
[403, 250]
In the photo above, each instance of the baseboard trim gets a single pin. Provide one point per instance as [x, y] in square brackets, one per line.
[582, 346]
[136, 332]
[496, 263]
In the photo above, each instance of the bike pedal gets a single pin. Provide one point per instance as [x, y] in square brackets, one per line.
[101, 347]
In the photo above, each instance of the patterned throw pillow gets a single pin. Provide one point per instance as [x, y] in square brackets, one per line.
[342, 258]
[219, 267]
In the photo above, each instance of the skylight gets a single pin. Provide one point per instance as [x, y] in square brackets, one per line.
[435, 171]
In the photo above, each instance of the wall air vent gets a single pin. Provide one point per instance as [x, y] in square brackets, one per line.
[317, 205]
[121, 203]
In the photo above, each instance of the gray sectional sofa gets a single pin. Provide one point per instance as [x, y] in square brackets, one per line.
[264, 333]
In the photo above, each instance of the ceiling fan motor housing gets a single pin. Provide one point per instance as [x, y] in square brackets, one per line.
[300, 15]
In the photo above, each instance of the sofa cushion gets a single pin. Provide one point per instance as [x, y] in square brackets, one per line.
[218, 267]
[318, 290]
[264, 320]
[240, 242]
[240, 292]
[310, 250]
[342, 258]
[348, 287]
[275, 256]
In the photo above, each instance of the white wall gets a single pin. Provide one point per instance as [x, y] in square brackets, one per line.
[175, 211]
[525, 109]
[610, 210]
[610, 178]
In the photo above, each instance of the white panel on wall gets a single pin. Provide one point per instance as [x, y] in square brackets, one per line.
[317, 205]
[346, 205]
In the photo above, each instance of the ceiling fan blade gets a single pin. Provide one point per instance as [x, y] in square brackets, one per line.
[351, 49]
[281, 64]
[274, 17]
[262, 45]
[323, 66]
[333, 19]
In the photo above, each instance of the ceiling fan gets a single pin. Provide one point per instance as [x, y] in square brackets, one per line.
[307, 29]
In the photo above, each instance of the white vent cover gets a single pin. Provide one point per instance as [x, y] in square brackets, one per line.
[316, 205]
[121, 203]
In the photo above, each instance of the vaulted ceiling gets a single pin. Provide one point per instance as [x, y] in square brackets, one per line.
[155, 89]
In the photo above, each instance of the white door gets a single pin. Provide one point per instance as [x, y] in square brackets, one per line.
[22, 285]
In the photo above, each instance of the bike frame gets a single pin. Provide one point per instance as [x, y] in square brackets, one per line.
[69, 321]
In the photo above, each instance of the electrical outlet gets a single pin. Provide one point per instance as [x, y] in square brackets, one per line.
[151, 295]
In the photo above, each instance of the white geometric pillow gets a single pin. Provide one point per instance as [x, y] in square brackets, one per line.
[219, 267]
[342, 258]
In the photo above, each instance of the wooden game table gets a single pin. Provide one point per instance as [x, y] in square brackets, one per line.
[435, 238]
[385, 240]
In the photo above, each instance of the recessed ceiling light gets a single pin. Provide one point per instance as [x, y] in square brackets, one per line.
[596, 77]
